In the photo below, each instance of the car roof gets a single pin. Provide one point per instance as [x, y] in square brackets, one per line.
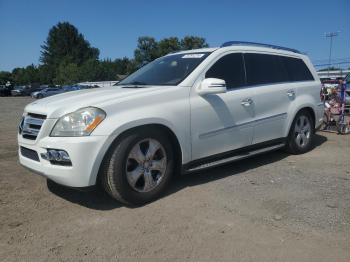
[242, 48]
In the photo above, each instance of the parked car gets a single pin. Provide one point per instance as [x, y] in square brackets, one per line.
[5, 90]
[74, 88]
[20, 91]
[36, 91]
[47, 92]
[186, 112]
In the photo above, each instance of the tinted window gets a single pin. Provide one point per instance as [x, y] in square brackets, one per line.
[297, 70]
[229, 68]
[264, 69]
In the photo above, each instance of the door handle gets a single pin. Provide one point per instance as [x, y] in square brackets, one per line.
[291, 93]
[247, 102]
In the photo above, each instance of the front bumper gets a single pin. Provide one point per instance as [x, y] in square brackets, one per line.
[86, 154]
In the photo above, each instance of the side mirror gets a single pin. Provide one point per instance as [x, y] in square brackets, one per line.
[212, 86]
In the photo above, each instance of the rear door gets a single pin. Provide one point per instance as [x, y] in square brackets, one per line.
[273, 94]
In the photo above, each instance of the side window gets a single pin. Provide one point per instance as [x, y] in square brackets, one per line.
[229, 68]
[297, 69]
[264, 69]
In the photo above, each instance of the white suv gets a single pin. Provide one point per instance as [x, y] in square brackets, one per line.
[180, 113]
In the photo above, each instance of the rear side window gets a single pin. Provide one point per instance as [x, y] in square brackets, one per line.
[229, 68]
[265, 69]
[297, 70]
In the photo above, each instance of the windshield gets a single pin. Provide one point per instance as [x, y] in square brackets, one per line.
[167, 70]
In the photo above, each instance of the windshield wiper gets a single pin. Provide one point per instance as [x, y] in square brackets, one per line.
[134, 84]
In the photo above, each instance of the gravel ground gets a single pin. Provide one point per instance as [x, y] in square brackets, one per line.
[275, 207]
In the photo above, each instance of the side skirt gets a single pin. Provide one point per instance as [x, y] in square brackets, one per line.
[232, 156]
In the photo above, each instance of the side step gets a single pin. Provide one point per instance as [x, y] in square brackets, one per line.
[236, 157]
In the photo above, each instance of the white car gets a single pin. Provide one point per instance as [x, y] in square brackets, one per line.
[182, 112]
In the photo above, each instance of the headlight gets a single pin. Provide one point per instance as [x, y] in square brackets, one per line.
[79, 123]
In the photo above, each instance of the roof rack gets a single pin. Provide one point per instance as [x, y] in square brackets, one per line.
[231, 43]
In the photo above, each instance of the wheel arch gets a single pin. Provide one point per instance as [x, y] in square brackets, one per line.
[178, 150]
[307, 108]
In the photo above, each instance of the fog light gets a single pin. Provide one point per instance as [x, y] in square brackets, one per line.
[57, 157]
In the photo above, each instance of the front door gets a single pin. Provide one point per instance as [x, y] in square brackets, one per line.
[222, 122]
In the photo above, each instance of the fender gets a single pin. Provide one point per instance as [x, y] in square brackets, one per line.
[184, 145]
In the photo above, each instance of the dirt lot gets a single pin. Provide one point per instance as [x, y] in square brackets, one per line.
[275, 207]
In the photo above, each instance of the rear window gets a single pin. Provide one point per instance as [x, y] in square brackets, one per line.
[297, 70]
[264, 69]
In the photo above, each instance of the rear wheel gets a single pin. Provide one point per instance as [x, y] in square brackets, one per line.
[139, 167]
[301, 133]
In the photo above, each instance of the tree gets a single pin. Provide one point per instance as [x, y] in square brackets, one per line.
[65, 43]
[46, 74]
[193, 42]
[5, 77]
[26, 76]
[149, 49]
[146, 51]
[168, 45]
[122, 65]
[67, 73]
[90, 70]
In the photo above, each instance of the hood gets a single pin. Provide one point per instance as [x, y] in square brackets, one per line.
[61, 104]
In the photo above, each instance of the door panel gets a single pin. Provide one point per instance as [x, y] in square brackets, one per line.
[271, 105]
[220, 123]
[267, 75]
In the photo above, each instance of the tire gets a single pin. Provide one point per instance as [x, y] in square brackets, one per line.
[39, 96]
[301, 134]
[129, 177]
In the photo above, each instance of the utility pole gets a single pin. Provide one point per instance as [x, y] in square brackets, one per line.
[330, 35]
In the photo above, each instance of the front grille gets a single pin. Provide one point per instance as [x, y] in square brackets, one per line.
[29, 153]
[30, 125]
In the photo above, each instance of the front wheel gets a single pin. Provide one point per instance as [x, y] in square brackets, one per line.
[139, 167]
[301, 133]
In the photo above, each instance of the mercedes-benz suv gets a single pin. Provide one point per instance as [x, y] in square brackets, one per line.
[183, 112]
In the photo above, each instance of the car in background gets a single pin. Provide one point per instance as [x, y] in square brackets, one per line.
[76, 88]
[71, 88]
[20, 91]
[5, 90]
[47, 92]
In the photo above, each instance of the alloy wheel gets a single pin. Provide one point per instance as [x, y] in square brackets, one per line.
[302, 131]
[146, 165]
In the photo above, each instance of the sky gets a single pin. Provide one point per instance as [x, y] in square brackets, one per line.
[114, 26]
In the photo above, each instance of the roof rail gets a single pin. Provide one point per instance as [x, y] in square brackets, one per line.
[231, 43]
